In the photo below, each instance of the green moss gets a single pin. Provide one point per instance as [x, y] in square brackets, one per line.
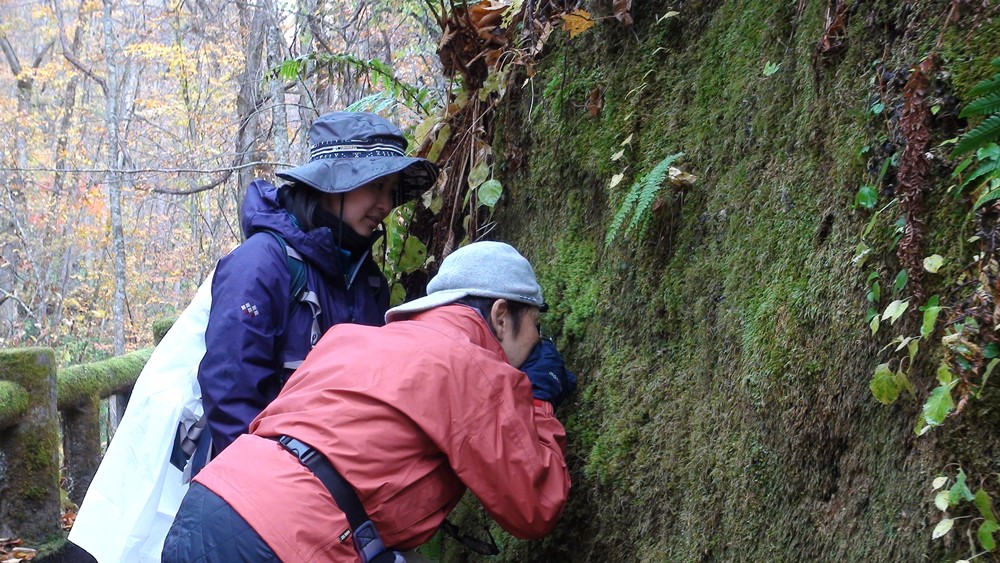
[78, 384]
[968, 56]
[571, 286]
[160, 328]
[14, 401]
[51, 547]
[29, 367]
[723, 412]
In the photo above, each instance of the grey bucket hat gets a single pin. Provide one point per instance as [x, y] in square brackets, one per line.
[481, 269]
[350, 149]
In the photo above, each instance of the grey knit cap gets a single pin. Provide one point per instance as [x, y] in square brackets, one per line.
[481, 269]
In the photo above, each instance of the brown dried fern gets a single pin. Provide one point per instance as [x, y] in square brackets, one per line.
[914, 128]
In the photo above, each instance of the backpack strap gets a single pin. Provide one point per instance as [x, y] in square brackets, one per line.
[298, 271]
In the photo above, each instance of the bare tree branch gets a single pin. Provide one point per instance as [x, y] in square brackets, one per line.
[40, 56]
[202, 188]
[8, 51]
[71, 57]
[145, 170]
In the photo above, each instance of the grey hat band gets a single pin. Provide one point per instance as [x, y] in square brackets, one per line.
[354, 149]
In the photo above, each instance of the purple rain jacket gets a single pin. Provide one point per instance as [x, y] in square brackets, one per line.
[253, 330]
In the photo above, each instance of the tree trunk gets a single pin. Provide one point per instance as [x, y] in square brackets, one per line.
[307, 110]
[279, 115]
[116, 405]
[14, 192]
[252, 19]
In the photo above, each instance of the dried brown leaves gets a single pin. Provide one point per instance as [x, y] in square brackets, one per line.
[471, 37]
[834, 39]
[12, 550]
[914, 128]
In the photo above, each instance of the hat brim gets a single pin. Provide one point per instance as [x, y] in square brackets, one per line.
[444, 297]
[341, 175]
[436, 299]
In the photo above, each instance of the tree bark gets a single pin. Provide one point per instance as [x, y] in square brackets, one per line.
[114, 182]
[276, 50]
[305, 31]
[253, 19]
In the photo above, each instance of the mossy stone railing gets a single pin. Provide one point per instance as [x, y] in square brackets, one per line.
[81, 389]
[32, 394]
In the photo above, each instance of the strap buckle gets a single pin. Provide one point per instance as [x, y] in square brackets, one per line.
[300, 449]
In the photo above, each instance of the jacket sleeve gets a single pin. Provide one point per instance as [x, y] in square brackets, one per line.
[512, 457]
[240, 373]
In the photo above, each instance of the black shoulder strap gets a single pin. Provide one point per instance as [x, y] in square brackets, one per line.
[298, 271]
[296, 266]
[367, 541]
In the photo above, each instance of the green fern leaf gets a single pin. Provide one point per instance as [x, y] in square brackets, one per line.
[989, 170]
[986, 198]
[374, 103]
[986, 132]
[290, 69]
[627, 205]
[639, 199]
[982, 106]
[651, 185]
[988, 86]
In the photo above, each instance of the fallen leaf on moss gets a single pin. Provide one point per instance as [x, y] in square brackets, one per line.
[595, 101]
[576, 22]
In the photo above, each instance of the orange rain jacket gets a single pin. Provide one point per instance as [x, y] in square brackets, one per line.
[410, 414]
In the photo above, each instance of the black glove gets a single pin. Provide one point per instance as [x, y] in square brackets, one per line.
[550, 380]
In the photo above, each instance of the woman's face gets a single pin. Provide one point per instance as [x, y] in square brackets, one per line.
[365, 207]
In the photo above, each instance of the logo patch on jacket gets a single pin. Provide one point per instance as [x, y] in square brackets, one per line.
[250, 309]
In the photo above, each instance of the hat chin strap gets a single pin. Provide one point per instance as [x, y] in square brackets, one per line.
[340, 230]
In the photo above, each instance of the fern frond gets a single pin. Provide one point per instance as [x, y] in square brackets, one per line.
[982, 106]
[374, 103]
[986, 198]
[651, 185]
[381, 74]
[627, 205]
[989, 170]
[990, 85]
[986, 132]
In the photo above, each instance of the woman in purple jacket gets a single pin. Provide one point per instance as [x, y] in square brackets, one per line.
[327, 217]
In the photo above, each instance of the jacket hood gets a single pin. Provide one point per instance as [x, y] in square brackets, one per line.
[262, 212]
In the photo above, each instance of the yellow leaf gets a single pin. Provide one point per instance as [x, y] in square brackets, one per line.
[576, 22]
[616, 179]
[618, 155]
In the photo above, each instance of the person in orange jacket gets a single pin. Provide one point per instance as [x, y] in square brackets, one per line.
[376, 437]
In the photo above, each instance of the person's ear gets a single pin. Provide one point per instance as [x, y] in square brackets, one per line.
[500, 318]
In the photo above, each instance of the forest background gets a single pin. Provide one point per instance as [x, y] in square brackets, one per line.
[768, 231]
[132, 129]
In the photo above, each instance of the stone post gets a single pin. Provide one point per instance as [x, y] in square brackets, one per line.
[29, 450]
[81, 446]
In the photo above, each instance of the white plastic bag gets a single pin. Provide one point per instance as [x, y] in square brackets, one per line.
[136, 492]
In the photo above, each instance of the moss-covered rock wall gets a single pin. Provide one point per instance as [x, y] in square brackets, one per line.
[724, 411]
